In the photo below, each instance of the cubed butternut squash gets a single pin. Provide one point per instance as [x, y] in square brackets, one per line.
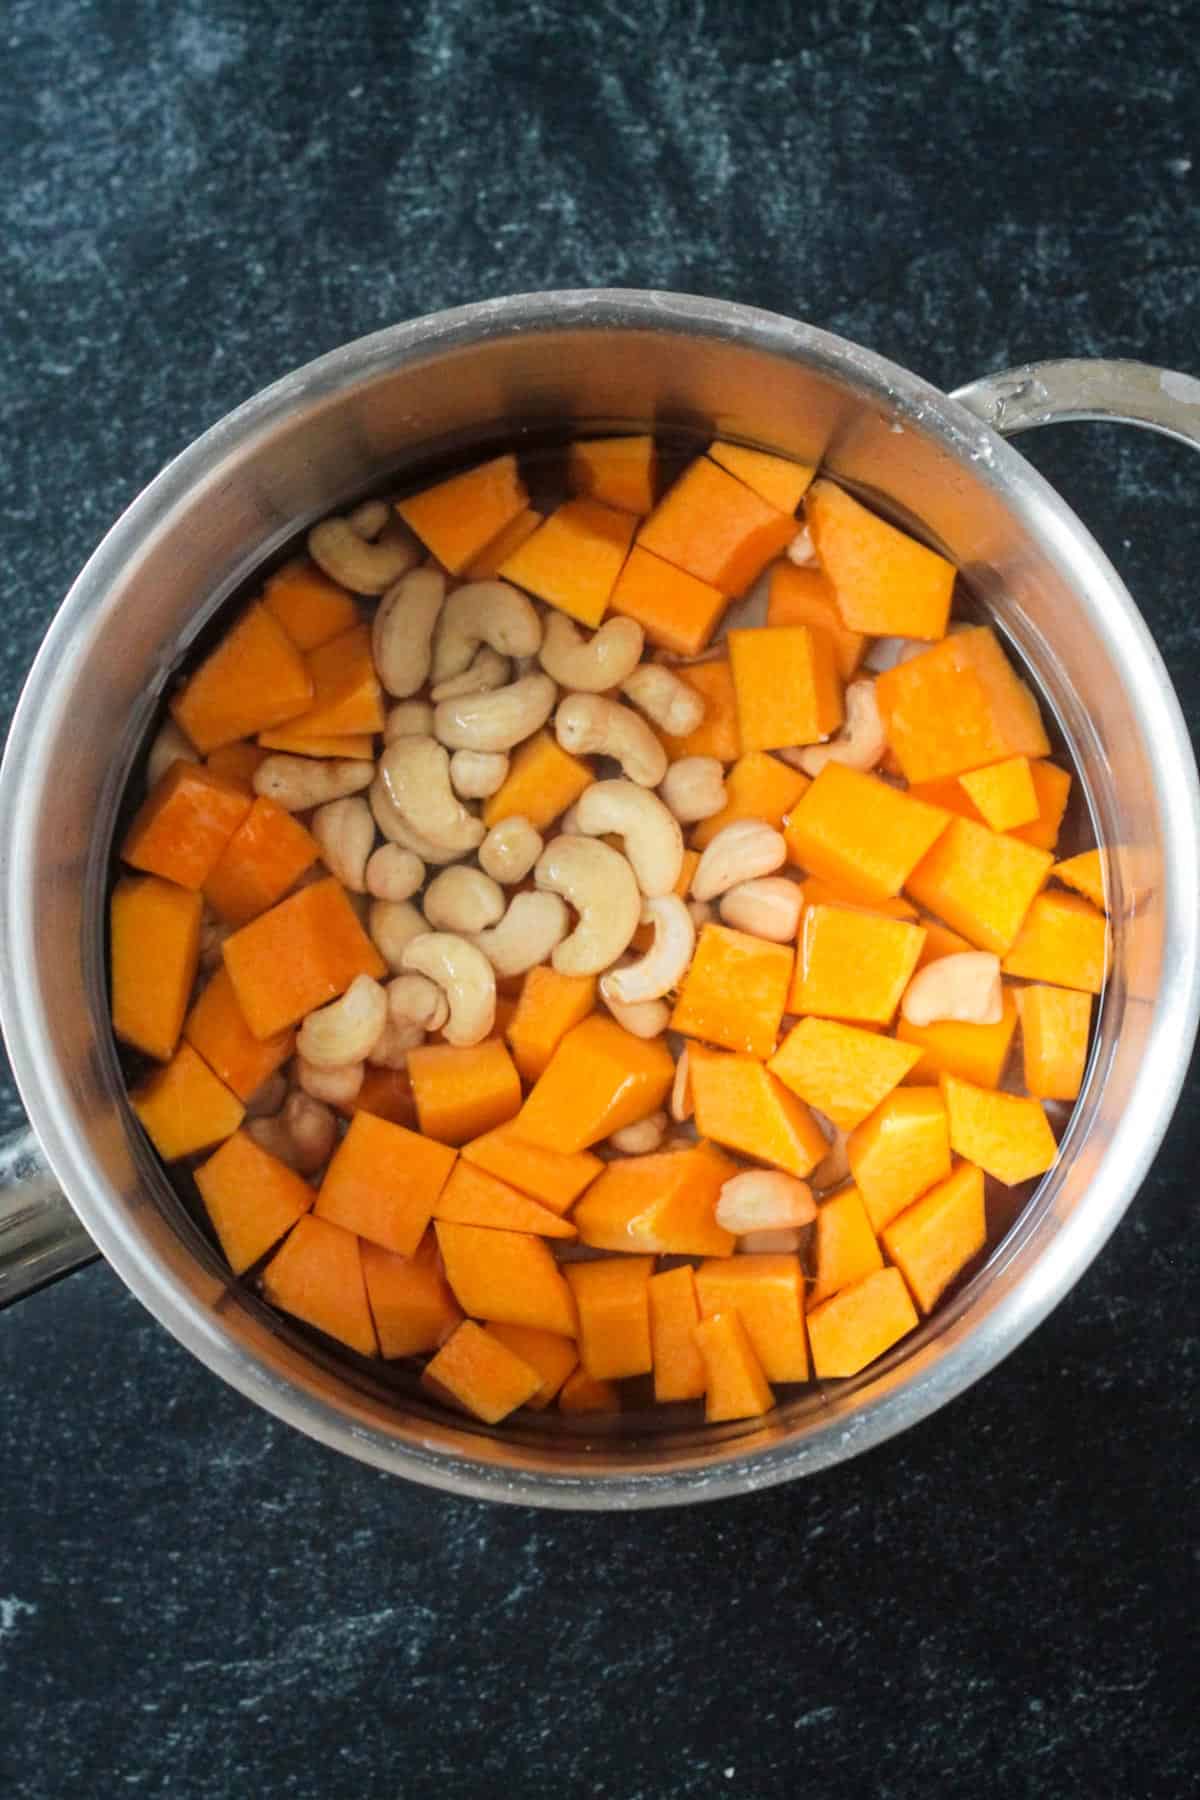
[716, 528]
[734, 1384]
[347, 747]
[824, 893]
[786, 684]
[805, 596]
[620, 471]
[978, 1053]
[543, 780]
[183, 1107]
[676, 610]
[251, 1199]
[980, 882]
[664, 1203]
[935, 1238]
[1003, 794]
[486, 566]
[939, 941]
[899, 1151]
[383, 1182]
[387, 1093]
[1052, 786]
[581, 1394]
[459, 517]
[473, 1197]
[674, 1315]
[1055, 1027]
[236, 763]
[1086, 874]
[302, 953]
[613, 1303]
[840, 1069]
[317, 1276]
[184, 824]
[479, 1373]
[1005, 1135]
[255, 678]
[734, 991]
[310, 607]
[506, 1276]
[573, 559]
[853, 965]
[599, 1080]
[266, 856]
[845, 1248]
[854, 831]
[215, 1027]
[958, 706]
[549, 1176]
[767, 1294]
[718, 733]
[154, 938]
[553, 1357]
[852, 1328]
[1063, 940]
[887, 584]
[411, 1303]
[463, 1091]
[740, 1104]
[347, 697]
[549, 1005]
[757, 787]
[778, 480]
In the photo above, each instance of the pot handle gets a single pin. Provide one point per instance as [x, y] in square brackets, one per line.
[40, 1236]
[1051, 393]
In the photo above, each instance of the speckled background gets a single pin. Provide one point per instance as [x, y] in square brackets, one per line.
[194, 1601]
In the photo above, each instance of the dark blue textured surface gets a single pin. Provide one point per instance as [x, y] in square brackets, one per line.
[194, 1601]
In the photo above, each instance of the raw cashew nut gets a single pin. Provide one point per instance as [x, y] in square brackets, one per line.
[590, 665]
[410, 718]
[488, 670]
[302, 1135]
[802, 550]
[297, 782]
[369, 517]
[344, 1031]
[463, 899]
[764, 1200]
[740, 852]
[478, 774]
[665, 962]
[393, 873]
[673, 706]
[964, 987]
[644, 1019]
[861, 741]
[770, 1243]
[589, 725]
[498, 720]
[568, 825]
[834, 1166]
[391, 927]
[642, 1138]
[465, 976]
[682, 1103]
[395, 1041]
[510, 849]
[350, 557]
[598, 882]
[694, 788]
[527, 934]
[415, 1001]
[767, 908]
[345, 830]
[266, 1100]
[484, 612]
[395, 826]
[402, 632]
[169, 746]
[652, 839]
[416, 774]
[339, 1087]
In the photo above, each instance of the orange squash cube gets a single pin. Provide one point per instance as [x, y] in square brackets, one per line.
[383, 1182]
[349, 747]
[549, 1176]
[251, 1199]
[981, 882]
[543, 780]
[463, 1091]
[940, 941]
[549, 1005]
[739, 1103]
[620, 471]
[823, 893]
[854, 1327]
[735, 1386]
[581, 1394]
[853, 965]
[317, 1276]
[473, 1197]
[735, 991]
[347, 697]
[480, 1374]
[1064, 940]
[757, 787]
[236, 763]
[554, 1357]
[949, 793]
[411, 1302]
[935, 1238]
[718, 733]
[674, 1315]
[184, 824]
[613, 1303]
[958, 706]
[846, 1249]
[713, 526]
[486, 566]
[255, 678]
[787, 686]
[887, 584]
[459, 517]
[1086, 874]
[1052, 786]
[1003, 794]
[387, 1093]
[1055, 1026]
[778, 480]
[767, 1294]
[299, 955]
[1006, 1135]
[266, 856]
[977, 1053]
[310, 607]
[215, 1027]
[573, 559]
[599, 1080]
[664, 1203]
[841, 1070]
[863, 836]
[154, 936]
[675, 610]
[506, 1276]
[184, 1108]
[902, 1149]
[806, 597]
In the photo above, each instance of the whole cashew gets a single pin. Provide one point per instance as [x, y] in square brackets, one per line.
[395, 1041]
[694, 788]
[643, 1019]
[488, 670]
[415, 1001]
[402, 632]
[338, 1087]
[266, 1101]
[345, 830]
[393, 873]
[665, 962]
[391, 927]
[302, 1135]
[740, 852]
[669, 702]
[764, 1200]
[395, 826]
[465, 976]
[653, 841]
[601, 886]
[527, 934]
[510, 849]
[351, 559]
[344, 1031]
[369, 517]
[834, 1166]
[297, 782]
[642, 1138]
[498, 720]
[477, 774]
[861, 741]
[409, 718]
[965, 986]
[169, 746]
[568, 825]
[590, 665]
[588, 724]
[416, 774]
[767, 908]
[464, 900]
[484, 612]
[682, 1103]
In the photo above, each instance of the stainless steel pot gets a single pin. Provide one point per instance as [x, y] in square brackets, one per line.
[466, 381]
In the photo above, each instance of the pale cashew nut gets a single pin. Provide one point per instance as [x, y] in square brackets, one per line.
[345, 1030]
[465, 976]
[393, 873]
[590, 665]
[464, 900]
[770, 1243]
[302, 1135]
[510, 849]
[663, 966]
[498, 720]
[478, 774]
[391, 927]
[652, 839]
[802, 551]
[398, 831]
[484, 612]
[266, 1100]
[415, 1001]
[599, 883]
[834, 1166]
[297, 782]
[488, 670]
[169, 746]
[409, 718]
[416, 775]
[527, 934]
[740, 852]
[402, 631]
[349, 557]
[369, 517]
[337, 1087]
[667, 701]
[642, 1138]
[682, 1103]
[394, 1043]
[644, 1019]
[568, 825]
[694, 788]
[861, 741]
[767, 908]
[964, 987]
[345, 830]
[764, 1200]
[590, 725]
